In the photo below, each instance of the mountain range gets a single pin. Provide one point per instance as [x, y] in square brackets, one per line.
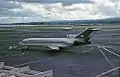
[73, 22]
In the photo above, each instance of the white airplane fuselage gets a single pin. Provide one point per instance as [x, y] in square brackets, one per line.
[50, 42]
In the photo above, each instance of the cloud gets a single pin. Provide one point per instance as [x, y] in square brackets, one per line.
[15, 11]
[54, 1]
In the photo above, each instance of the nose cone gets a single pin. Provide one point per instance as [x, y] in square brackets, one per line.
[20, 42]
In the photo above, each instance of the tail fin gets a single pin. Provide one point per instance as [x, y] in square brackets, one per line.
[87, 33]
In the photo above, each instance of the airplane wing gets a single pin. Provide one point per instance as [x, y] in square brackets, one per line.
[54, 47]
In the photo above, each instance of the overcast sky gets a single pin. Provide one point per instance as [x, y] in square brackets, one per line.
[47, 10]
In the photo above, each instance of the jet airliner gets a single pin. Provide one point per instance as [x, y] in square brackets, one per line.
[59, 43]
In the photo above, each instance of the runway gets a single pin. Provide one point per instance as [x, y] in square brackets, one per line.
[80, 61]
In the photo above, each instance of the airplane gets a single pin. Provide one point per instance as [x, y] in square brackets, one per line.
[82, 38]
